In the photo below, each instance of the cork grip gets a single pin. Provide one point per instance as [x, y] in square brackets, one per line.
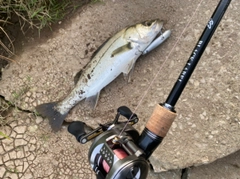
[160, 121]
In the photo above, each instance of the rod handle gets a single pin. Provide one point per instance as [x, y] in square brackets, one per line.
[160, 121]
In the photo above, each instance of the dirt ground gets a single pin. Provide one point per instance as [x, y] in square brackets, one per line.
[208, 122]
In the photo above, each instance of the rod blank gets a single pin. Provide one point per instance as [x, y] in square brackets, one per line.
[197, 53]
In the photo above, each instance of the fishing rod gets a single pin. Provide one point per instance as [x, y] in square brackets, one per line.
[126, 156]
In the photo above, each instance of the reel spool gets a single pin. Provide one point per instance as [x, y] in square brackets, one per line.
[113, 156]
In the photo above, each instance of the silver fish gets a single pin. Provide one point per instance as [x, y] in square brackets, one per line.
[117, 55]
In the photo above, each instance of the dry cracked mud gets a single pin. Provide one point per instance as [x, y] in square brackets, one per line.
[208, 121]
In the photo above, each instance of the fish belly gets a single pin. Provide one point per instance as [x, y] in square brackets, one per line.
[108, 69]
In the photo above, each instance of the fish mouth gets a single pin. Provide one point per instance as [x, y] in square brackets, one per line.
[160, 29]
[159, 33]
[155, 25]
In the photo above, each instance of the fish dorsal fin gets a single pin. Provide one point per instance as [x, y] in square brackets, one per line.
[121, 49]
[77, 76]
[93, 100]
[99, 48]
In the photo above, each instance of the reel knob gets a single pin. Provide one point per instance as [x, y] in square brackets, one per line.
[79, 129]
[126, 112]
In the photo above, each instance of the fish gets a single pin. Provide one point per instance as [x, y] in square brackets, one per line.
[115, 56]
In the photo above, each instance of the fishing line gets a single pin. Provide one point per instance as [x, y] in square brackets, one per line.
[154, 78]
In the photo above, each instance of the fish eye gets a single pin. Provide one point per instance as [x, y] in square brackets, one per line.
[147, 23]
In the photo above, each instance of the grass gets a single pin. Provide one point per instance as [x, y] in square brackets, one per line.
[4, 109]
[28, 14]
[4, 135]
[9, 50]
[31, 14]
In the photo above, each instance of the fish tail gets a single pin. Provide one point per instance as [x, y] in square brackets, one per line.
[49, 111]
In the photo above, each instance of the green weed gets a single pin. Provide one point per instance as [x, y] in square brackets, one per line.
[4, 135]
[9, 50]
[96, 1]
[5, 108]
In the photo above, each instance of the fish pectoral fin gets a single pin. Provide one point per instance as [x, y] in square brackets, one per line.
[129, 71]
[122, 49]
[93, 100]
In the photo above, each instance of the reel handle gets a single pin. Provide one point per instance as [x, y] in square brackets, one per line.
[84, 133]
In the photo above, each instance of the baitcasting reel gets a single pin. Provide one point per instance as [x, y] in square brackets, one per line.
[112, 155]
[118, 151]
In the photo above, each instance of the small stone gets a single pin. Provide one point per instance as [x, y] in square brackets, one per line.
[174, 125]
[33, 140]
[38, 95]
[34, 95]
[25, 105]
[205, 160]
[201, 116]
[28, 120]
[196, 83]
[208, 50]
[32, 128]
[102, 100]
[143, 84]
[203, 80]
[214, 132]
[34, 104]
[204, 113]
[26, 100]
[39, 119]
[28, 93]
